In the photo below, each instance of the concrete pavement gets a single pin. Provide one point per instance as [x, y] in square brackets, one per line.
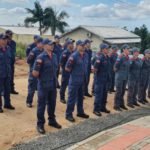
[68, 137]
[134, 135]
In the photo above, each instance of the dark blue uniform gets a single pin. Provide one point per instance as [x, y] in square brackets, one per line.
[47, 67]
[133, 80]
[29, 48]
[144, 80]
[92, 64]
[65, 75]
[58, 51]
[12, 45]
[78, 66]
[32, 81]
[89, 53]
[5, 75]
[112, 58]
[121, 68]
[101, 80]
[148, 88]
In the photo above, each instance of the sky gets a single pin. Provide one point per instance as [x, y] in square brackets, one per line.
[130, 13]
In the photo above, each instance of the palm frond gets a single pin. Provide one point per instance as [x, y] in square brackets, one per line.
[63, 15]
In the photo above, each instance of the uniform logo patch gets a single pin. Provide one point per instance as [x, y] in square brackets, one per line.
[39, 61]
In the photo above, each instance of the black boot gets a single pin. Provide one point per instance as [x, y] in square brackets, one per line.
[14, 92]
[1, 110]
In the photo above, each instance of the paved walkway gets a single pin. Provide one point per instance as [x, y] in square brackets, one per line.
[134, 135]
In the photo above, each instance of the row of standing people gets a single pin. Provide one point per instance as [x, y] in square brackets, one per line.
[7, 68]
[76, 68]
[45, 57]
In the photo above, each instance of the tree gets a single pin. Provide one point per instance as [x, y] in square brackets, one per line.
[37, 16]
[144, 34]
[54, 20]
[125, 28]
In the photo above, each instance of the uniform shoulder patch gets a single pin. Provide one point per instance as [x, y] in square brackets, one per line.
[71, 58]
[31, 53]
[64, 55]
[98, 61]
[39, 61]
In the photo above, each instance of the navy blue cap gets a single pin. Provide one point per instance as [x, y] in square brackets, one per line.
[57, 37]
[114, 47]
[36, 36]
[79, 42]
[88, 41]
[147, 51]
[51, 42]
[3, 36]
[39, 40]
[125, 46]
[8, 32]
[69, 41]
[134, 49]
[45, 41]
[103, 46]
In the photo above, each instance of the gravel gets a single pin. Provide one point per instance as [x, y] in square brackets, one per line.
[67, 137]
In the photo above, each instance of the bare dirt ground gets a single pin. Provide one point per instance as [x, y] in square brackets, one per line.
[20, 125]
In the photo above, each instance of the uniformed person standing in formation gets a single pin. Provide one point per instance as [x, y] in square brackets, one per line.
[133, 78]
[32, 81]
[5, 73]
[45, 69]
[12, 45]
[77, 66]
[89, 53]
[101, 68]
[92, 68]
[121, 68]
[32, 45]
[113, 57]
[148, 94]
[65, 75]
[57, 51]
[144, 77]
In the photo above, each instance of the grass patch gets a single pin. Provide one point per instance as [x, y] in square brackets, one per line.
[21, 50]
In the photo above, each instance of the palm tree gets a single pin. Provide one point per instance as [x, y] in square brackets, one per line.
[37, 16]
[54, 20]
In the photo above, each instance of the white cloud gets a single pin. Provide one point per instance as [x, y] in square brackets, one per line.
[64, 3]
[15, 1]
[96, 10]
[13, 11]
[124, 11]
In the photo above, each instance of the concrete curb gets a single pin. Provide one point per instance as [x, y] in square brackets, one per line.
[65, 138]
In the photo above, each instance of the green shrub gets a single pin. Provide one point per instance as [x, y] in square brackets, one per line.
[21, 50]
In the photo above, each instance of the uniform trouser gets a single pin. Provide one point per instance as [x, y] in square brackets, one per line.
[87, 84]
[46, 97]
[64, 84]
[57, 74]
[5, 87]
[112, 81]
[120, 91]
[132, 91]
[143, 84]
[149, 88]
[12, 84]
[100, 96]
[32, 86]
[75, 95]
